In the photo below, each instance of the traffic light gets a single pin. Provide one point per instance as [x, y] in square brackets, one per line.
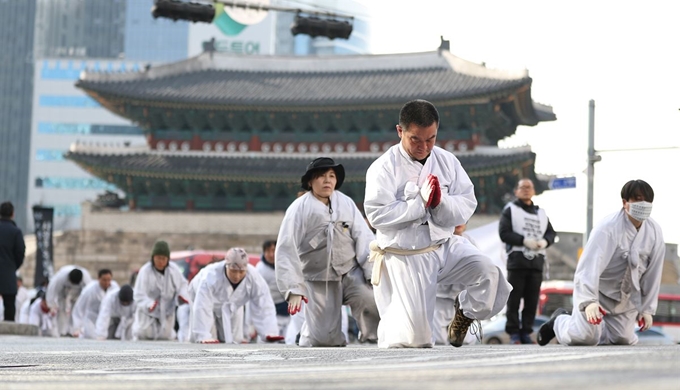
[317, 27]
[179, 10]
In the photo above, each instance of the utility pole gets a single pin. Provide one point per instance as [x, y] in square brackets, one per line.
[593, 157]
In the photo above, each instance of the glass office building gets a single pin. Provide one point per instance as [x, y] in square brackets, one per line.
[16, 92]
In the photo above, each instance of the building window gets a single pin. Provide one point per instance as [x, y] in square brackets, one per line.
[73, 183]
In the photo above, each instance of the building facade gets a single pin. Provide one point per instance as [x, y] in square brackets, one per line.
[72, 36]
[16, 92]
[229, 132]
[64, 115]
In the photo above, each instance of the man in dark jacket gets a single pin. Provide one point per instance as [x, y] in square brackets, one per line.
[12, 250]
[526, 232]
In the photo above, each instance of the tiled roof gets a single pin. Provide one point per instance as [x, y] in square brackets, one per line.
[268, 81]
[258, 167]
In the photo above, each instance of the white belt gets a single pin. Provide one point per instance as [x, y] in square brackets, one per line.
[378, 255]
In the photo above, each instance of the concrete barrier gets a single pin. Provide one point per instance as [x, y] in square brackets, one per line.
[18, 329]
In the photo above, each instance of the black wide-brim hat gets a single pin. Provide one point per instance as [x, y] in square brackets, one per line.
[323, 163]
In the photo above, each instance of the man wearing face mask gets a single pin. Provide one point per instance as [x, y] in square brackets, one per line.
[616, 284]
[321, 259]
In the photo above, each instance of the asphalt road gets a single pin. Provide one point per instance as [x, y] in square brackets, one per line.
[45, 363]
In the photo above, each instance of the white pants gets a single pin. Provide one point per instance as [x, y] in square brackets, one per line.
[184, 319]
[323, 313]
[407, 291]
[146, 327]
[296, 321]
[616, 329]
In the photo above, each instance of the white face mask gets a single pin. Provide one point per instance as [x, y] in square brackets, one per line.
[640, 210]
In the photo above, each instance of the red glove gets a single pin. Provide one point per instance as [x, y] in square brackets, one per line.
[436, 191]
[295, 303]
[153, 306]
[273, 339]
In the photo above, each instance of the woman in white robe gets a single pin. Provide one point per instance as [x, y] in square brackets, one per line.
[321, 259]
[230, 284]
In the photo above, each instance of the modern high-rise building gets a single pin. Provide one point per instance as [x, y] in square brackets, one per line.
[71, 36]
[149, 39]
[41, 113]
[64, 115]
[16, 91]
[80, 28]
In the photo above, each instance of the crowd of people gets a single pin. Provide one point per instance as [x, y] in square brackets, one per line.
[405, 271]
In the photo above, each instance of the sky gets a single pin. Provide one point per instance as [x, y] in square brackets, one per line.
[622, 54]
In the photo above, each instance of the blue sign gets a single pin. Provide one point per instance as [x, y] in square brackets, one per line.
[560, 183]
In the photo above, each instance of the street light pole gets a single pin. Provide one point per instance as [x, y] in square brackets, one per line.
[593, 157]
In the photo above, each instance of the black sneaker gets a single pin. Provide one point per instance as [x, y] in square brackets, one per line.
[546, 331]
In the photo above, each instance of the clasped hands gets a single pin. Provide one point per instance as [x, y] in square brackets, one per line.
[431, 192]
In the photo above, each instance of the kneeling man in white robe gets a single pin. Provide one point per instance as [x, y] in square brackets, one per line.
[87, 306]
[114, 321]
[160, 287]
[229, 285]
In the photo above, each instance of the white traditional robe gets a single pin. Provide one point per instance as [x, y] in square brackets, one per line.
[46, 323]
[215, 289]
[184, 311]
[322, 253]
[165, 288]
[62, 295]
[86, 309]
[269, 275]
[113, 314]
[24, 311]
[21, 297]
[444, 310]
[620, 268]
[407, 291]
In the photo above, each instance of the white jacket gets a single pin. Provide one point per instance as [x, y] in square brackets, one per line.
[112, 308]
[621, 264]
[152, 285]
[61, 293]
[86, 309]
[395, 208]
[214, 289]
[317, 245]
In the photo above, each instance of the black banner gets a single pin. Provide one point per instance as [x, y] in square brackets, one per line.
[44, 262]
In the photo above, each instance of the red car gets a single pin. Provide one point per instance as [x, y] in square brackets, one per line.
[190, 262]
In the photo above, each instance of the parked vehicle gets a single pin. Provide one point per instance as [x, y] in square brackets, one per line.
[494, 330]
[190, 262]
